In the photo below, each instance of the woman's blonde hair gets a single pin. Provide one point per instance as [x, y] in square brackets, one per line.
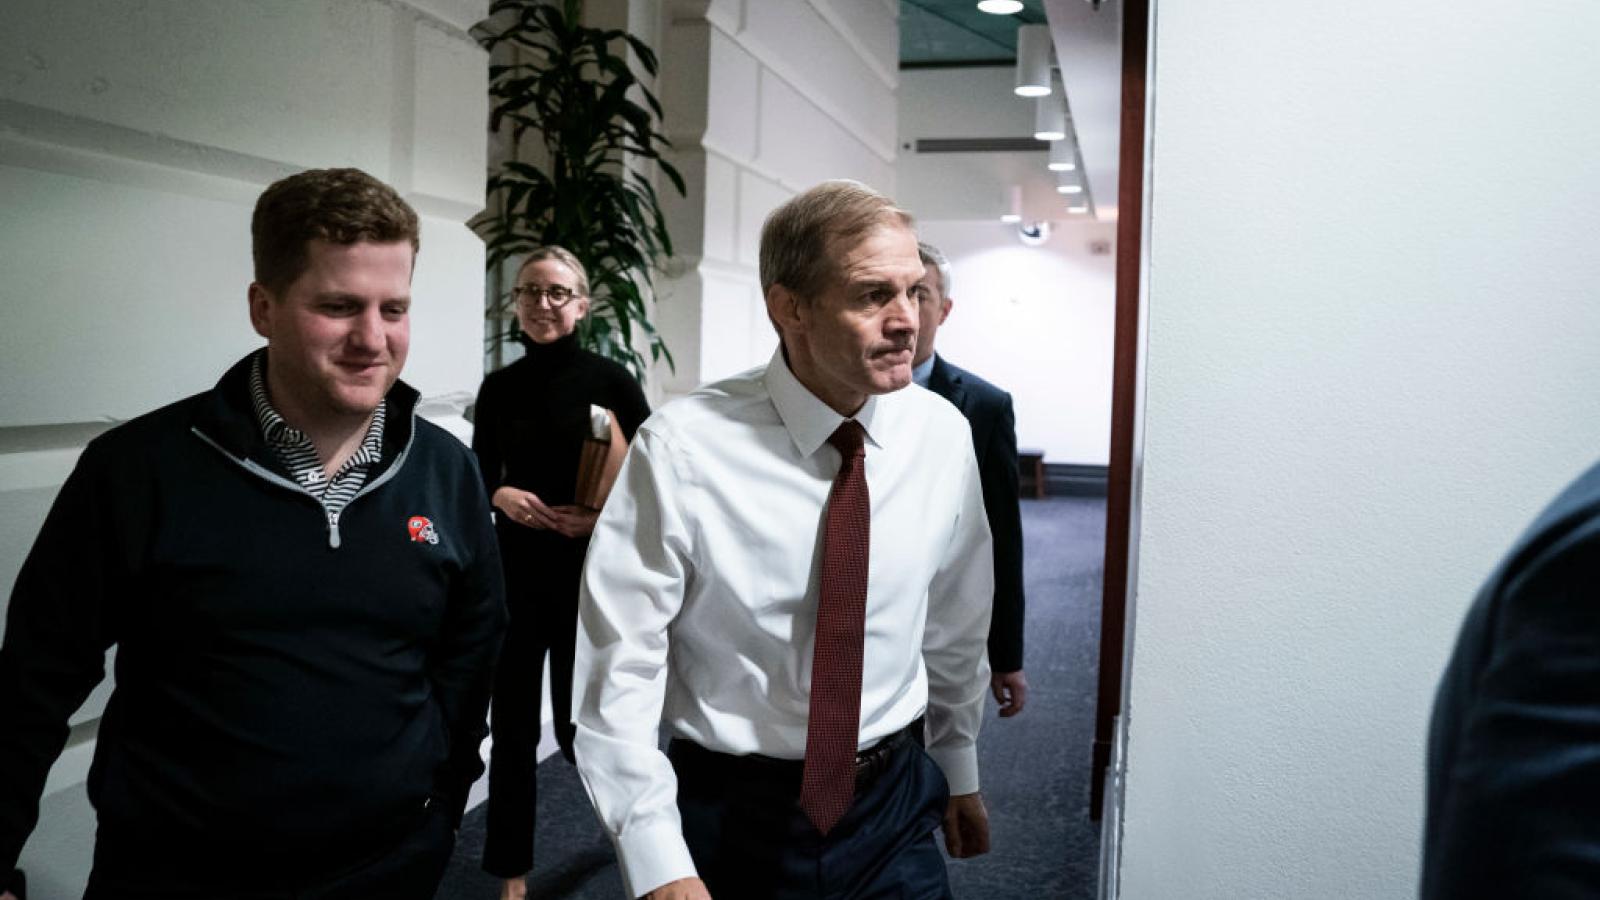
[561, 255]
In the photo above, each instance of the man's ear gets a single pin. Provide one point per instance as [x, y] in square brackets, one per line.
[260, 309]
[944, 311]
[784, 309]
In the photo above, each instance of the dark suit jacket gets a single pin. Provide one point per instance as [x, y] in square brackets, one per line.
[1514, 753]
[994, 437]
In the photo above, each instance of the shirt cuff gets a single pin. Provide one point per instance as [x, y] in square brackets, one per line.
[960, 767]
[653, 856]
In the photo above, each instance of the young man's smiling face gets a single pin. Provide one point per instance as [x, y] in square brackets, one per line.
[337, 336]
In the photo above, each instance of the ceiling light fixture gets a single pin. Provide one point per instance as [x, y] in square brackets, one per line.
[1000, 7]
[1063, 156]
[1068, 184]
[1080, 209]
[1049, 119]
[1033, 61]
[1013, 213]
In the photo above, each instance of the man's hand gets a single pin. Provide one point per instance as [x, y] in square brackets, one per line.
[682, 889]
[574, 521]
[966, 826]
[524, 508]
[1010, 691]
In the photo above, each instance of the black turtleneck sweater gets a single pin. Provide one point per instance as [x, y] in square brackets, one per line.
[532, 416]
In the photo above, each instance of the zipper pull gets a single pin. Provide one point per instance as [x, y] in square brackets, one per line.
[333, 530]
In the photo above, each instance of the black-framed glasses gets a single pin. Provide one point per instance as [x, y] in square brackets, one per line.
[530, 295]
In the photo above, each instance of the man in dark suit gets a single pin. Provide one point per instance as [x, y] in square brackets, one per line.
[994, 437]
[1514, 753]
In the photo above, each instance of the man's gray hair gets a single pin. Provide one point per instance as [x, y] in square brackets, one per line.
[801, 238]
[933, 256]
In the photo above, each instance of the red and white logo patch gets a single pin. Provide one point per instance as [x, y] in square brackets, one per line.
[422, 530]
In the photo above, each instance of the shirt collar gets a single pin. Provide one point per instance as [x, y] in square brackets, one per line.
[273, 427]
[922, 373]
[810, 421]
[280, 434]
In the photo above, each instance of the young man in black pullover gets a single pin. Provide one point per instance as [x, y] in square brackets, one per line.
[302, 581]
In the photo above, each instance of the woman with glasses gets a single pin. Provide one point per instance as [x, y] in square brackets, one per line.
[530, 423]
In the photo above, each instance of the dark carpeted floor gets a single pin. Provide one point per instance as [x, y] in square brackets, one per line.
[1035, 767]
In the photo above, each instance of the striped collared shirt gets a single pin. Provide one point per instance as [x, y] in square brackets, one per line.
[298, 454]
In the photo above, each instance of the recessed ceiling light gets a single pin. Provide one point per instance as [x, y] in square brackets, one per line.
[1078, 209]
[1000, 7]
[1069, 188]
[1010, 219]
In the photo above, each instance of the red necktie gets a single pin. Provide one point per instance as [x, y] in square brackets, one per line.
[829, 780]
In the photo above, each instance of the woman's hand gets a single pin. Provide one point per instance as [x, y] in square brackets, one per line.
[574, 521]
[524, 508]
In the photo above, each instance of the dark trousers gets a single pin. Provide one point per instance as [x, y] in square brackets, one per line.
[134, 869]
[542, 599]
[750, 840]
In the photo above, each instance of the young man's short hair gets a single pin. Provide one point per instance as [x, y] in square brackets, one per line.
[341, 206]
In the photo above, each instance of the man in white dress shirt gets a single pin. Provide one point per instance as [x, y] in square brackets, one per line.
[728, 597]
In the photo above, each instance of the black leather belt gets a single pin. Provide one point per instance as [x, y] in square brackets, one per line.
[871, 763]
[874, 761]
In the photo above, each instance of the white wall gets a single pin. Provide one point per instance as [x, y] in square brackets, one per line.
[136, 139]
[1038, 322]
[763, 98]
[1371, 359]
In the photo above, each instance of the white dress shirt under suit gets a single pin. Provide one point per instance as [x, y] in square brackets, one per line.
[699, 598]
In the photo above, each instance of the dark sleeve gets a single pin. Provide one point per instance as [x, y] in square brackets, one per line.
[58, 628]
[629, 403]
[486, 424]
[1517, 783]
[462, 665]
[998, 465]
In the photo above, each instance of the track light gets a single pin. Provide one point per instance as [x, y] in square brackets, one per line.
[1033, 61]
[1063, 156]
[1000, 7]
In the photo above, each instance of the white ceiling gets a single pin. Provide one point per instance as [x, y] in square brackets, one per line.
[1089, 49]
[978, 103]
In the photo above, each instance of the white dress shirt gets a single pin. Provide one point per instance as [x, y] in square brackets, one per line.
[699, 599]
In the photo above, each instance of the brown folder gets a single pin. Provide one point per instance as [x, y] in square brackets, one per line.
[603, 449]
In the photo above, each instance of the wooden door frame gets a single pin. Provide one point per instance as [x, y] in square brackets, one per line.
[1125, 388]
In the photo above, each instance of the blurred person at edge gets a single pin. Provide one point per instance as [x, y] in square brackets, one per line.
[529, 426]
[1514, 747]
[301, 579]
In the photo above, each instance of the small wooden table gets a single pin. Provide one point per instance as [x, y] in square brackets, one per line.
[1030, 463]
